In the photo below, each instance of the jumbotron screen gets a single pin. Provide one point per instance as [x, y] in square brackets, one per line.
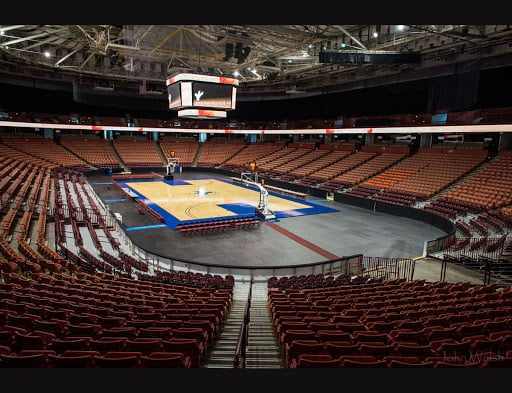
[174, 92]
[212, 95]
[197, 91]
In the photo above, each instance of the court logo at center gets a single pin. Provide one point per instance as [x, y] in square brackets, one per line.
[202, 192]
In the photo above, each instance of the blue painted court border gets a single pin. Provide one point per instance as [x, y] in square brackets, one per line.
[239, 209]
[146, 227]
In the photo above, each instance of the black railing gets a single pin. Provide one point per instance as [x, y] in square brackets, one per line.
[243, 337]
[389, 268]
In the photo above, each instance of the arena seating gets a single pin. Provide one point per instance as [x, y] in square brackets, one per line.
[153, 123]
[217, 153]
[45, 149]
[185, 150]
[292, 169]
[104, 320]
[420, 176]
[252, 153]
[489, 188]
[12, 153]
[268, 164]
[218, 225]
[96, 152]
[418, 323]
[364, 171]
[345, 163]
[428, 172]
[25, 196]
[36, 276]
[76, 205]
[110, 120]
[335, 153]
[138, 152]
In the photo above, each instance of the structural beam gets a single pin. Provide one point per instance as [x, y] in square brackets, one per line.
[68, 55]
[22, 39]
[343, 30]
[12, 27]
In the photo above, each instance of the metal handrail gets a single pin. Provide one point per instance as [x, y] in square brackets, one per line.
[243, 336]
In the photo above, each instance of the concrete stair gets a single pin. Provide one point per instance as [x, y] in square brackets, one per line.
[198, 154]
[223, 352]
[262, 350]
[116, 155]
[161, 153]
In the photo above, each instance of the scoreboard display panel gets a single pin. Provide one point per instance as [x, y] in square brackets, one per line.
[212, 95]
[189, 93]
[174, 92]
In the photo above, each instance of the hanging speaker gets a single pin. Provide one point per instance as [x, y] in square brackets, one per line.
[238, 50]
[367, 57]
[228, 52]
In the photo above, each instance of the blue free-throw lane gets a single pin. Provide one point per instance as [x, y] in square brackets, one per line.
[238, 209]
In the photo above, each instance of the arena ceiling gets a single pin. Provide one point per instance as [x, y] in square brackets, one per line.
[265, 58]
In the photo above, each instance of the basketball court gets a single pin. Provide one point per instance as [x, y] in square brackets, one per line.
[299, 235]
[192, 200]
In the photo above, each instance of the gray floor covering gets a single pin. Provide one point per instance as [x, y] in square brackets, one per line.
[349, 231]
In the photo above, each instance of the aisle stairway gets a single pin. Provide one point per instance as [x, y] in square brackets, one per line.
[116, 155]
[223, 352]
[262, 350]
[165, 160]
[198, 154]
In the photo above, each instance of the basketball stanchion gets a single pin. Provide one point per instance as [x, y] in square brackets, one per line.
[172, 167]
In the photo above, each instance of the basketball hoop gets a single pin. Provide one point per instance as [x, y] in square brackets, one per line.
[172, 163]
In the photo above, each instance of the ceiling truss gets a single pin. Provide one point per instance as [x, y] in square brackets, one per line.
[277, 57]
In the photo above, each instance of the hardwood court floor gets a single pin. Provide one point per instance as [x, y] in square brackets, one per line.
[198, 199]
[348, 231]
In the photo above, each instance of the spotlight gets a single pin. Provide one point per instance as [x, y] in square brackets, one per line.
[47, 54]
[400, 27]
